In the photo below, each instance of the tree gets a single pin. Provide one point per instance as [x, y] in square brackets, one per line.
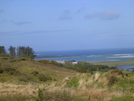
[2, 50]
[12, 52]
[25, 52]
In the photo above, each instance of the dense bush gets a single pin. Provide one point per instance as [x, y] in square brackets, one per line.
[43, 77]
[35, 73]
[25, 78]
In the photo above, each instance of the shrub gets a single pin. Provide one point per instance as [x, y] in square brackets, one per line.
[45, 61]
[10, 71]
[1, 70]
[43, 77]
[25, 78]
[35, 73]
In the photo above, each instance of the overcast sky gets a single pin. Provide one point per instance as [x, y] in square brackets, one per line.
[47, 25]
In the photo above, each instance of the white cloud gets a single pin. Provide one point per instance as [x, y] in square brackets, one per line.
[110, 15]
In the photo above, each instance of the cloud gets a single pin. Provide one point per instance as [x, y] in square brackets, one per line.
[65, 15]
[22, 23]
[3, 21]
[1, 11]
[81, 10]
[16, 33]
[110, 15]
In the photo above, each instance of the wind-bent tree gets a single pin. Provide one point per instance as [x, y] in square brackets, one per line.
[12, 51]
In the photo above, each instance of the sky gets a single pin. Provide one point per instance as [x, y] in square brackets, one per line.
[52, 25]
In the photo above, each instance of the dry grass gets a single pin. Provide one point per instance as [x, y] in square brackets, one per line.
[8, 89]
[93, 87]
[99, 94]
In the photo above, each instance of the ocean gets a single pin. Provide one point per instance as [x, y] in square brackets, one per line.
[99, 55]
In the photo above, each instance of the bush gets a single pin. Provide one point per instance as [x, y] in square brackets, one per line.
[43, 77]
[1, 70]
[45, 61]
[25, 78]
[35, 73]
[10, 71]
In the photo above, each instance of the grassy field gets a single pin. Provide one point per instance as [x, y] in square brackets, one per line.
[45, 81]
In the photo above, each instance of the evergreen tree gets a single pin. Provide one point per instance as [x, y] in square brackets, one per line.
[2, 50]
[12, 51]
[25, 51]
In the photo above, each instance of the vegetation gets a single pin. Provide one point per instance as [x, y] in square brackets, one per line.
[21, 51]
[83, 67]
[115, 63]
[43, 80]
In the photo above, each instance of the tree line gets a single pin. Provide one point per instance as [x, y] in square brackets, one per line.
[20, 51]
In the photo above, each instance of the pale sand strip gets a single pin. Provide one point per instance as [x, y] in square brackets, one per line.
[121, 57]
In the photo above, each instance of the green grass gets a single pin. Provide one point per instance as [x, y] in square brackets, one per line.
[124, 98]
[74, 82]
[26, 72]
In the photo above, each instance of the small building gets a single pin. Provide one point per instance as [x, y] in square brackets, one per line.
[74, 63]
[62, 62]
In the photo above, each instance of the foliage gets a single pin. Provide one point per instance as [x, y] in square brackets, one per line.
[43, 77]
[18, 52]
[25, 51]
[35, 73]
[45, 61]
[84, 67]
[2, 50]
[3, 55]
[12, 52]
[25, 78]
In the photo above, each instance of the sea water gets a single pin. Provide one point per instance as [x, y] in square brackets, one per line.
[88, 55]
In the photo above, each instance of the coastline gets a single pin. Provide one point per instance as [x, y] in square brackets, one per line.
[50, 57]
[121, 57]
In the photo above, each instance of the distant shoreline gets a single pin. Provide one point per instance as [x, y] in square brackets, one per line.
[46, 57]
[121, 57]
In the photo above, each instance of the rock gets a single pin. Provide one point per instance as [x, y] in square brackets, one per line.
[66, 79]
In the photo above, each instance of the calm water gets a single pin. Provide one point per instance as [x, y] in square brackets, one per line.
[88, 55]
[126, 67]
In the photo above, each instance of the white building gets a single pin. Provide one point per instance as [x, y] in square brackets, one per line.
[74, 63]
[62, 62]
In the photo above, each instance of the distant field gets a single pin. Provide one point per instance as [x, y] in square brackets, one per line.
[115, 63]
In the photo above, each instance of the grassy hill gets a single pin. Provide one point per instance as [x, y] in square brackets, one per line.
[25, 80]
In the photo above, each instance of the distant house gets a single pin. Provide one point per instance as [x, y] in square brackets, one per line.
[62, 62]
[74, 63]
